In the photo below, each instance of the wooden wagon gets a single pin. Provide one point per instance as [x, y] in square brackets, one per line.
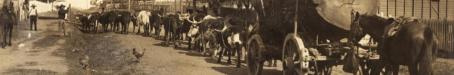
[309, 36]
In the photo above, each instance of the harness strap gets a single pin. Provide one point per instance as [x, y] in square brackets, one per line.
[395, 27]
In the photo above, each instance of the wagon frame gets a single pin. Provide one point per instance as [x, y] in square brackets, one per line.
[297, 57]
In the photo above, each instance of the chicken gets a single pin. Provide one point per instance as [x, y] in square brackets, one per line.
[137, 54]
[75, 50]
[84, 62]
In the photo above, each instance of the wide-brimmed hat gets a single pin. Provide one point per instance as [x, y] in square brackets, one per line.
[33, 5]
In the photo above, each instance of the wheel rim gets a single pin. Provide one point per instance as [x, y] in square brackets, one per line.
[212, 47]
[209, 48]
[253, 57]
[244, 54]
[360, 71]
[290, 59]
[296, 57]
[323, 69]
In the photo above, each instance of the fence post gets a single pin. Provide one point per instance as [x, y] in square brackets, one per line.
[412, 7]
[438, 6]
[395, 7]
[422, 8]
[387, 8]
[430, 9]
[448, 28]
[451, 42]
[405, 1]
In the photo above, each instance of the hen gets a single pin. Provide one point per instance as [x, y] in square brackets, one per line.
[84, 62]
[138, 54]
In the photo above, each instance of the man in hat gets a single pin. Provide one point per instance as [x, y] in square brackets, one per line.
[62, 16]
[33, 14]
[8, 20]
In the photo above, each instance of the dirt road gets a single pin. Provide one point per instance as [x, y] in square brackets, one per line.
[46, 52]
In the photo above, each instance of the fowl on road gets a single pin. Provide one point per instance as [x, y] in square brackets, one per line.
[84, 62]
[138, 54]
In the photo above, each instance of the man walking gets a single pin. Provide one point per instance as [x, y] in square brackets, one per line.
[62, 16]
[33, 14]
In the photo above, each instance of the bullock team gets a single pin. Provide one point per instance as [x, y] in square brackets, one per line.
[207, 32]
[116, 21]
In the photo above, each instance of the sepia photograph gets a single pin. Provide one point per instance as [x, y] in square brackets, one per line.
[226, 37]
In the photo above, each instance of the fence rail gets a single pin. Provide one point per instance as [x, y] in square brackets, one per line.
[445, 33]
[425, 9]
[439, 15]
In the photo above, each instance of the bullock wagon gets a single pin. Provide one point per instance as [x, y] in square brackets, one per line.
[309, 36]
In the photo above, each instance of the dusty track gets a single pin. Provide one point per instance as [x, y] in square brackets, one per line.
[45, 52]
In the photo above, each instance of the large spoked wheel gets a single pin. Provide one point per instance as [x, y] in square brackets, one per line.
[210, 47]
[295, 56]
[372, 67]
[254, 56]
[360, 71]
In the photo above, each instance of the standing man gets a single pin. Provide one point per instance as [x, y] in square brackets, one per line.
[25, 8]
[8, 19]
[33, 14]
[63, 17]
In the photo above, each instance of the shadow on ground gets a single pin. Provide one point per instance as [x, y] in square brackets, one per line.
[215, 61]
[445, 54]
[106, 55]
[47, 41]
[29, 72]
[243, 71]
[192, 53]
[47, 17]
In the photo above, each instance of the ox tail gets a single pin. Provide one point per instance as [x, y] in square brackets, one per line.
[430, 43]
[426, 59]
[431, 40]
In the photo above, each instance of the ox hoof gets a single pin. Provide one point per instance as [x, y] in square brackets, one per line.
[229, 62]
[219, 61]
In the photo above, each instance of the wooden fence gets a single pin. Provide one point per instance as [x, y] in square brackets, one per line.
[438, 14]
[445, 33]
[425, 9]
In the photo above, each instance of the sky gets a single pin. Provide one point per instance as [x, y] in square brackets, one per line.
[76, 4]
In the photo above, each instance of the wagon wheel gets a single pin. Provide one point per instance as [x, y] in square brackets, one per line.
[327, 70]
[372, 67]
[210, 47]
[199, 45]
[361, 71]
[243, 54]
[295, 56]
[254, 56]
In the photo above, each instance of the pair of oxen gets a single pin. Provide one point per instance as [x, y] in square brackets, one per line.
[222, 34]
[118, 21]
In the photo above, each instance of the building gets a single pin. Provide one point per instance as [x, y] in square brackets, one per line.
[425, 9]
[438, 14]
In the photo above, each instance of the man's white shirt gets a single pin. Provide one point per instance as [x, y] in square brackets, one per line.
[33, 12]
